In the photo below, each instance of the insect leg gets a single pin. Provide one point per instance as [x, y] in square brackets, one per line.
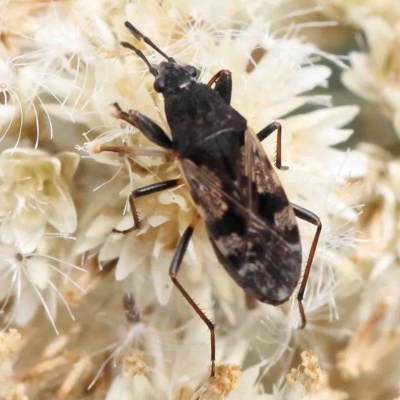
[264, 133]
[173, 272]
[149, 128]
[223, 85]
[144, 191]
[133, 151]
[308, 216]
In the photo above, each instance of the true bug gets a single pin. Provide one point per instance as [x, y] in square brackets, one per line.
[249, 220]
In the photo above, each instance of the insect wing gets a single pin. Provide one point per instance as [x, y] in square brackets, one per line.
[250, 222]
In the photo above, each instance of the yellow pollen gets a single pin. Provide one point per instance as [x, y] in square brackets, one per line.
[225, 380]
[134, 362]
[308, 373]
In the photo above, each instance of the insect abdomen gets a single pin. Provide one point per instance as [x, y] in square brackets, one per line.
[248, 217]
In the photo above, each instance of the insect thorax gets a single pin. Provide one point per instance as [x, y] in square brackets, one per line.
[198, 113]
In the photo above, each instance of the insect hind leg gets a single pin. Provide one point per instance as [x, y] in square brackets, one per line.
[267, 131]
[173, 272]
[144, 191]
[308, 216]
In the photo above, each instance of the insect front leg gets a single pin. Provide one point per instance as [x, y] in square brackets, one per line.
[149, 128]
[223, 85]
[308, 216]
[144, 191]
[134, 151]
[264, 133]
[173, 272]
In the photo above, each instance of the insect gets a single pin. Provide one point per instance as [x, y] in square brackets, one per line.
[248, 217]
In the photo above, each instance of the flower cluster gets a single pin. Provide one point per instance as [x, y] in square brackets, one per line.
[10, 343]
[68, 165]
[355, 12]
[374, 317]
[375, 76]
[36, 209]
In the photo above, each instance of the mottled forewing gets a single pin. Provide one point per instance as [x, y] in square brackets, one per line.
[262, 191]
[250, 222]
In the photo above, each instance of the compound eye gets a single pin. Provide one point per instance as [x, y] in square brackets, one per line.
[159, 85]
[192, 70]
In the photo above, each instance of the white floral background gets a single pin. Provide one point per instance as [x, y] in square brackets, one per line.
[91, 314]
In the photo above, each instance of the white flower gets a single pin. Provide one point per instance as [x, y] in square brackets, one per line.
[64, 50]
[65, 56]
[379, 229]
[21, 107]
[30, 278]
[375, 76]
[132, 383]
[308, 382]
[132, 335]
[34, 192]
[355, 12]
[131, 388]
[374, 336]
[161, 367]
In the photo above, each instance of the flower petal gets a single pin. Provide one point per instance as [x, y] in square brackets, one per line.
[161, 280]
[61, 208]
[380, 36]
[69, 164]
[39, 273]
[135, 251]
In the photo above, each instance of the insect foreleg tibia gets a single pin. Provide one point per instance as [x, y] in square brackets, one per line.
[223, 84]
[310, 217]
[264, 133]
[144, 191]
[149, 128]
[133, 151]
[173, 272]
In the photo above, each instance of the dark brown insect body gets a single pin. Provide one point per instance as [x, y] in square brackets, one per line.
[249, 220]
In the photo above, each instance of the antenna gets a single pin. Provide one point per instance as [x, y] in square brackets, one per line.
[139, 36]
[127, 45]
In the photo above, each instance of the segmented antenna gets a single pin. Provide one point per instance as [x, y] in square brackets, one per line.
[152, 70]
[139, 36]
